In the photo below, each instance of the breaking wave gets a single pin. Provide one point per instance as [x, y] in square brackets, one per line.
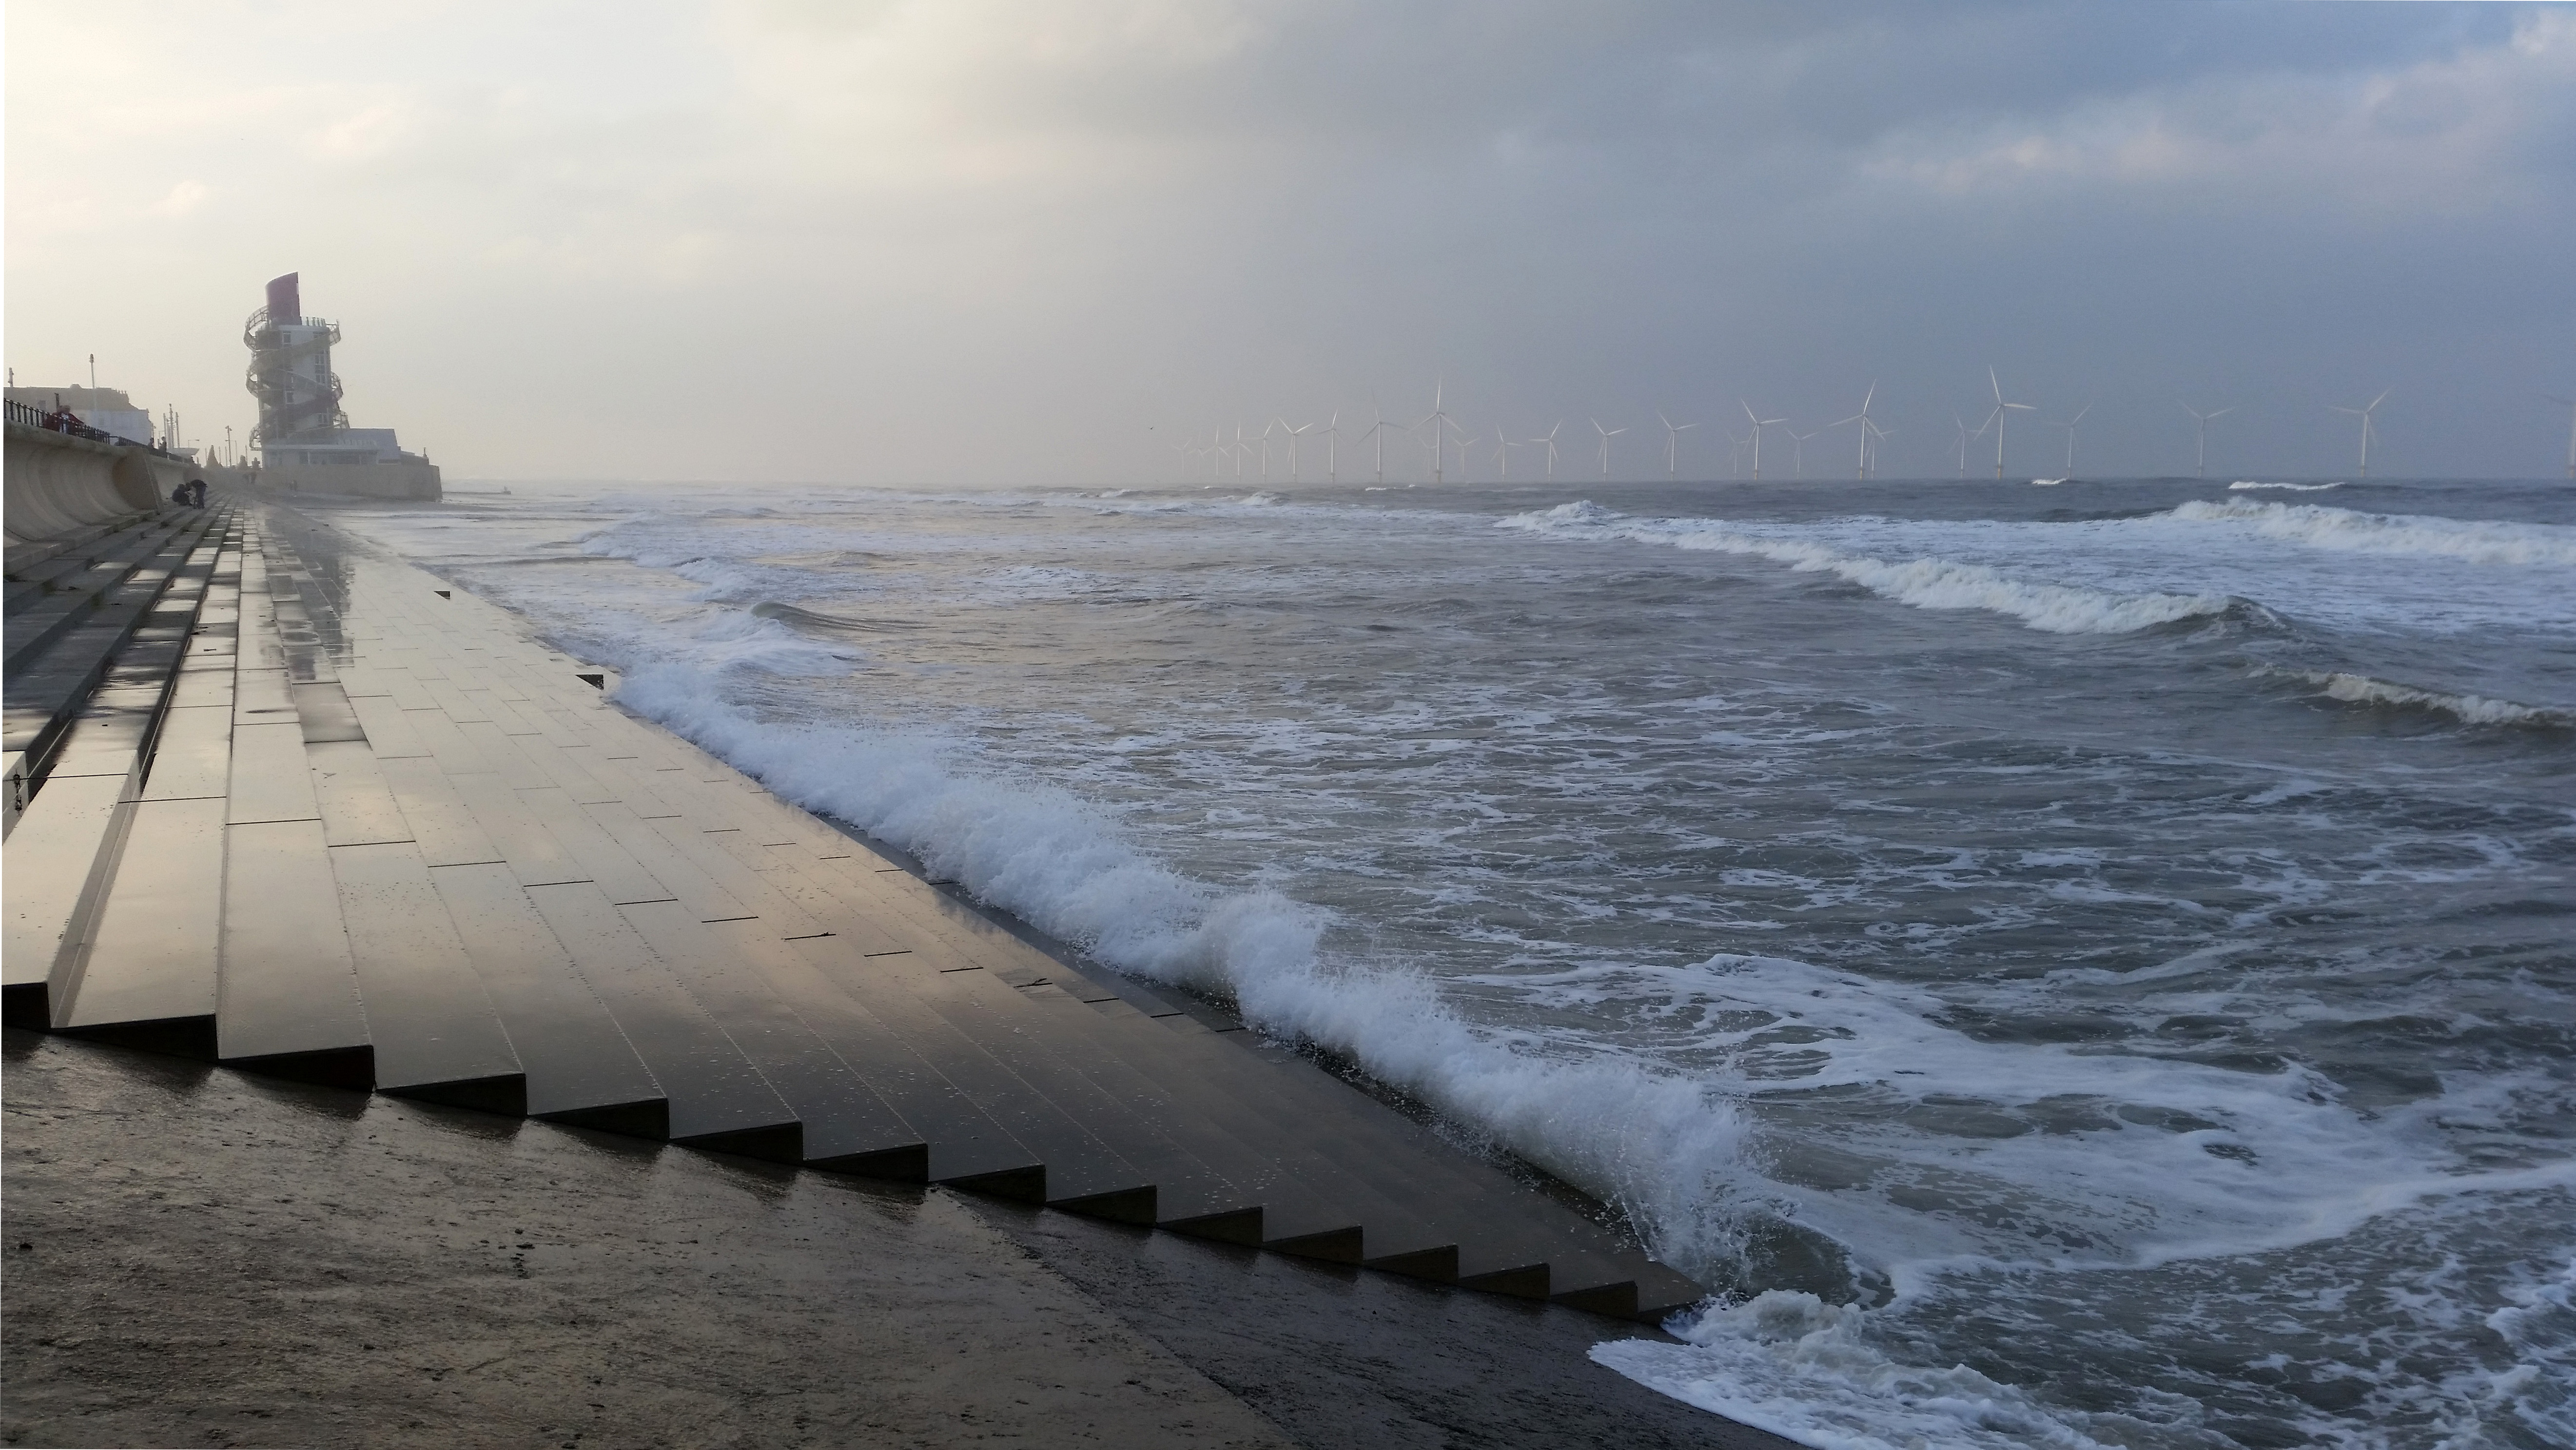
[2243, 485]
[2316, 525]
[1927, 583]
[2354, 689]
[1658, 1145]
[816, 619]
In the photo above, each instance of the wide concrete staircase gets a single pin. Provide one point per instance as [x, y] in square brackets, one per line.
[349, 824]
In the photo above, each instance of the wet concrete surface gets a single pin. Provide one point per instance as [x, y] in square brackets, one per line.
[198, 1256]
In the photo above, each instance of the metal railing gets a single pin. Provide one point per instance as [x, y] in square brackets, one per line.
[65, 421]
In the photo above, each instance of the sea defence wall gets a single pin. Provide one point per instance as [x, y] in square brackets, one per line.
[406, 478]
[290, 805]
[58, 483]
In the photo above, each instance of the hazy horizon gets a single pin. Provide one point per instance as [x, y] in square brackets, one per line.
[961, 244]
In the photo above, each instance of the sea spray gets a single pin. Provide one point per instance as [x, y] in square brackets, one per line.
[1659, 1146]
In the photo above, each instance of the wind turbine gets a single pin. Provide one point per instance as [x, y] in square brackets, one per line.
[1963, 442]
[1862, 418]
[1672, 442]
[1293, 435]
[1333, 448]
[1798, 453]
[1876, 434]
[1377, 430]
[2002, 408]
[1606, 435]
[1502, 454]
[2069, 426]
[1238, 453]
[1759, 423]
[2568, 403]
[1549, 442]
[1439, 424]
[2368, 425]
[2200, 458]
[1265, 448]
[1464, 443]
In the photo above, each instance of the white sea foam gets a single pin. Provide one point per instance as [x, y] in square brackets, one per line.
[2247, 485]
[1789, 1363]
[2476, 541]
[1926, 583]
[1660, 1145]
[2539, 1388]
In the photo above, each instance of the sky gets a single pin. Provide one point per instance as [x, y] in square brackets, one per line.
[958, 242]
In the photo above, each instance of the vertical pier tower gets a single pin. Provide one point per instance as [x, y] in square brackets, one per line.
[290, 375]
[304, 440]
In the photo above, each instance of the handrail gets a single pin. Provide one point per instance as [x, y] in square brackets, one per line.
[67, 421]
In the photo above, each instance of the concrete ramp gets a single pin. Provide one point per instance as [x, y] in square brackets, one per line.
[340, 820]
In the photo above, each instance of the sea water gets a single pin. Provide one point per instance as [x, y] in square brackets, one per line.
[2070, 966]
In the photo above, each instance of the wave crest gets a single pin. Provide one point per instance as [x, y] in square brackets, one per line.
[2476, 541]
[1660, 1146]
[2354, 689]
[1925, 583]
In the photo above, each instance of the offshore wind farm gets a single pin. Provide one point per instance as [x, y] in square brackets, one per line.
[1436, 432]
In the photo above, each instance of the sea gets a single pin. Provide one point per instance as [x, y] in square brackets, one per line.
[2088, 963]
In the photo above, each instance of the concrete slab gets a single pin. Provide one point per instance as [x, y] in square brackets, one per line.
[212, 1259]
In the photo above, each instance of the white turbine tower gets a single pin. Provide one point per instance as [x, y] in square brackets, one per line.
[2200, 421]
[1962, 425]
[1862, 418]
[1502, 455]
[1549, 441]
[1759, 423]
[1606, 435]
[1333, 448]
[1464, 443]
[1798, 454]
[1439, 424]
[2570, 405]
[2002, 409]
[1377, 430]
[1672, 442]
[2069, 426]
[1294, 472]
[1239, 446]
[1877, 435]
[2369, 425]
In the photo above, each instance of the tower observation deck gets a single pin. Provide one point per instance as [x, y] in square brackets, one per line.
[301, 425]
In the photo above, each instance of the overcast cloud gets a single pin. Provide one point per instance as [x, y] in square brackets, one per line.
[972, 242]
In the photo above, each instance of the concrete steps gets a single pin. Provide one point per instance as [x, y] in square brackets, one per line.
[363, 830]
